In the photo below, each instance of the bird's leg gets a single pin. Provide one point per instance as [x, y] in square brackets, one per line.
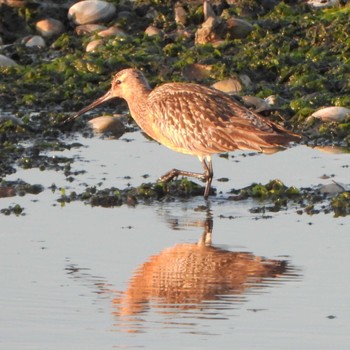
[206, 177]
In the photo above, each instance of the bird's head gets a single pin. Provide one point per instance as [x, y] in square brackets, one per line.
[125, 84]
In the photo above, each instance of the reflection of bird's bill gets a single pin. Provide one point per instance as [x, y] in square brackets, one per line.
[106, 97]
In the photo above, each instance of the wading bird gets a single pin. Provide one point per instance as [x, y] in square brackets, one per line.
[193, 119]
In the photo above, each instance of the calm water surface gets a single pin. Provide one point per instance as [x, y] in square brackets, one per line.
[178, 274]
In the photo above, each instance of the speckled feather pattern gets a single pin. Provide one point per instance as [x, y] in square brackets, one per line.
[197, 120]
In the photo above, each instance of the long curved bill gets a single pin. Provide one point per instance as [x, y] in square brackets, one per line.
[106, 97]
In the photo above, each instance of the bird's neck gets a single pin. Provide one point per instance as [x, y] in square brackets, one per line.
[137, 102]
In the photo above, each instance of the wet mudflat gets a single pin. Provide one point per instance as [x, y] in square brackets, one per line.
[143, 276]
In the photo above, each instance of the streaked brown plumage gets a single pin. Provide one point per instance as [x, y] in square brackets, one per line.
[193, 119]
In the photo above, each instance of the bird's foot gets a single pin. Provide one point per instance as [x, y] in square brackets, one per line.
[170, 175]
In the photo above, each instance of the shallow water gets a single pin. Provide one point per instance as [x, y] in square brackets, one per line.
[73, 276]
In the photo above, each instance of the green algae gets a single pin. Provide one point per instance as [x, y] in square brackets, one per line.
[146, 193]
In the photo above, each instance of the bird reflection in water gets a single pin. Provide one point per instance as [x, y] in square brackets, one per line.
[197, 277]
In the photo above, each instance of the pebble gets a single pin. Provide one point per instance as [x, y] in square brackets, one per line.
[153, 31]
[49, 27]
[112, 31]
[257, 103]
[180, 14]
[108, 125]
[93, 45]
[207, 10]
[210, 31]
[14, 3]
[197, 71]
[34, 41]
[230, 85]
[238, 28]
[6, 62]
[332, 188]
[322, 3]
[85, 29]
[87, 12]
[331, 114]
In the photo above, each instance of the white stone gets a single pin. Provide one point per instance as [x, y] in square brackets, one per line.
[35, 41]
[93, 45]
[86, 12]
[332, 114]
[322, 3]
[6, 62]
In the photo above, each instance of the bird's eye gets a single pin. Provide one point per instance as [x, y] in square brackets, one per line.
[118, 82]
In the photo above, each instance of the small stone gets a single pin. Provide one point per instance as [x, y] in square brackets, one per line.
[197, 71]
[108, 125]
[14, 3]
[49, 27]
[112, 31]
[332, 114]
[34, 41]
[207, 10]
[238, 28]
[230, 85]
[180, 14]
[93, 45]
[153, 31]
[322, 3]
[257, 103]
[6, 62]
[332, 188]
[86, 29]
[211, 31]
[86, 12]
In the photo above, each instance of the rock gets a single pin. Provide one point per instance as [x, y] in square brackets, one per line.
[106, 124]
[34, 41]
[208, 10]
[87, 12]
[211, 31]
[238, 28]
[93, 45]
[6, 62]
[230, 85]
[180, 14]
[276, 101]
[257, 103]
[197, 71]
[112, 31]
[322, 3]
[49, 27]
[153, 31]
[332, 188]
[14, 3]
[331, 114]
[86, 29]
